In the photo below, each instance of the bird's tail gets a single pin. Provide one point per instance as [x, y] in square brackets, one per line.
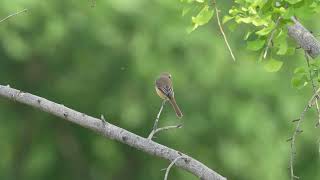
[176, 107]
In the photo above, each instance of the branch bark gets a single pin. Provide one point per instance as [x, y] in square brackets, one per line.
[112, 132]
[304, 38]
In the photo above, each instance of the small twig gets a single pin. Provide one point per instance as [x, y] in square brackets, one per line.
[314, 87]
[153, 132]
[102, 118]
[297, 131]
[221, 29]
[170, 166]
[271, 38]
[11, 15]
[155, 125]
[155, 128]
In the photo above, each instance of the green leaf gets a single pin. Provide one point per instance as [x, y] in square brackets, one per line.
[300, 70]
[255, 45]
[232, 26]
[299, 81]
[189, 1]
[265, 31]
[246, 20]
[273, 65]
[202, 18]
[291, 50]
[226, 19]
[280, 10]
[293, 1]
[258, 21]
[288, 13]
[280, 42]
[234, 11]
[283, 48]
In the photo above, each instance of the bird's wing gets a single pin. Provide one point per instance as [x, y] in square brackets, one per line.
[167, 90]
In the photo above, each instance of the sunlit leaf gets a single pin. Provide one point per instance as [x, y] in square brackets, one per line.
[265, 31]
[226, 19]
[202, 18]
[293, 1]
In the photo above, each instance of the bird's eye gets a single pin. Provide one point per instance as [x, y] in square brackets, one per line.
[169, 76]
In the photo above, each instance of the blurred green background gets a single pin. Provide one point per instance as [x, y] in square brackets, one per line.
[104, 60]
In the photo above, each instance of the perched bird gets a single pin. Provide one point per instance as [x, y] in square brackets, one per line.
[164, 89]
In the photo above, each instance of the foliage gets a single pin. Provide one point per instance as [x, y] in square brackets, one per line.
[267, 19]
[202, 10]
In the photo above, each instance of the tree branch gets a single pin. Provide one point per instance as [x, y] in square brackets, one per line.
[314, 87]
[304, 38]
[112, 132]
[11, 15]
[298, 130]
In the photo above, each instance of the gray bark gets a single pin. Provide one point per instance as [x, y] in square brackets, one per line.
[112, 132]
[304, 38]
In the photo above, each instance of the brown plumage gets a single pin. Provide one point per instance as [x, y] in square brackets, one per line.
[164, 89]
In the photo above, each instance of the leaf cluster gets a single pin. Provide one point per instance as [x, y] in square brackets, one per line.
[266, 23]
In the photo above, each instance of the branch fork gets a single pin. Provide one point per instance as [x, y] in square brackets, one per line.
[155, 129]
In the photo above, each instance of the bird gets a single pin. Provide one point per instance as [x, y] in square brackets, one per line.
[164, 89]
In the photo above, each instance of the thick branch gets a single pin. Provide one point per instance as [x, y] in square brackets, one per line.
[112, 132]
[304, 38]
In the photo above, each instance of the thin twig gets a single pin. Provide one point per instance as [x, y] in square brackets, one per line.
[155, 125]
[221, 30]
[271, 37]
[155, 128]
[170, 166]
[11, 15]
[297, 131]
[153, 132]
